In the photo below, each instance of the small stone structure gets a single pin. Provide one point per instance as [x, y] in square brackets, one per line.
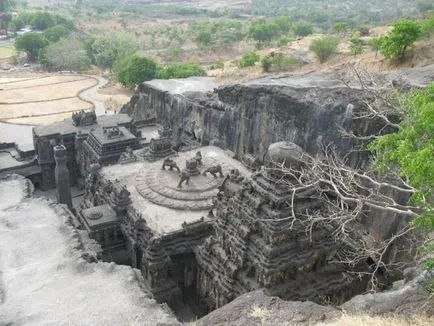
[128, 156]
[83, 118]
[159, 149]
[73, 134]
[62, 176]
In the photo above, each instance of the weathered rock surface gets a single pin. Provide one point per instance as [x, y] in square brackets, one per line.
[246, 118]
[256, 308]
[409, 298]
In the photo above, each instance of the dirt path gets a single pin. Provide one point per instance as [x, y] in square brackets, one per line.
[87, 96]
[22, 133]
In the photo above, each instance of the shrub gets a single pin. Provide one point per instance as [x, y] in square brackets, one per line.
[356, 44]
[31, 43]
[324, 47]
[204, 37]
[248, 59]
[340, 27]
[404, 34]
[181, 70]
[132, 70]
[105, 50]
[65, 55]
[280, 62]
[302, 29]
[284, 40]
[55, 33]
[262, 30]
[375, 43]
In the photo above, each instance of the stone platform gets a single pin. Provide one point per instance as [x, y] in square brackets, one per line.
[161, 186]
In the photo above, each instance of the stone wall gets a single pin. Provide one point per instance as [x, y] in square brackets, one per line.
[247, 118]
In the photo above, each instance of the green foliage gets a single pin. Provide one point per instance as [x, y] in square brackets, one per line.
[266, 64]
[356, 44]
[41, 20]
[410, 151]
[375, 43]
[279, 62]
[261, 30]
[105, 50]
[284, 23]
[181, 70]
[284, 40]
[302, 29]
[5, 19]
[340, 27]
[132, 70]
[324, 47]
[55, 33]
[403, 35]
[66, 54]
[204, 37]
[248, 59]
[31, 43]
[428, 27]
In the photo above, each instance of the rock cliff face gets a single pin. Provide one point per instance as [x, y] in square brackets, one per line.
[247, 118]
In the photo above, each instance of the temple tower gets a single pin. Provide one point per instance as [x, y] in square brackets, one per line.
[61, 174]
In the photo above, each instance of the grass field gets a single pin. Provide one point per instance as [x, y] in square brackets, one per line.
[6, 52]
[44, 92]
[41, 99]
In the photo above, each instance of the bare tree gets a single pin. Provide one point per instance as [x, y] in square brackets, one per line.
[347, 196]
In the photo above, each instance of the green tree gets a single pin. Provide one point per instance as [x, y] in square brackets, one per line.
[181, 70]
[302, 29]
[375, 43]
[410, 151]
[356, 44]
[66, 54]
[324, 47]
[248, 59]
[284, 40]
[340, 27]
[260, 30]
[55, 33]
[402, 37]
[132, 70]
[31, 43]
[42, 20]
[204, 37]
[5, 16]
[105, 50]
[284, 23]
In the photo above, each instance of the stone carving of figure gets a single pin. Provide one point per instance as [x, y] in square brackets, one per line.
[214, 170]
[198, 158]
[171, 164]
[83, 118]
[128, 156]
[185, 176]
